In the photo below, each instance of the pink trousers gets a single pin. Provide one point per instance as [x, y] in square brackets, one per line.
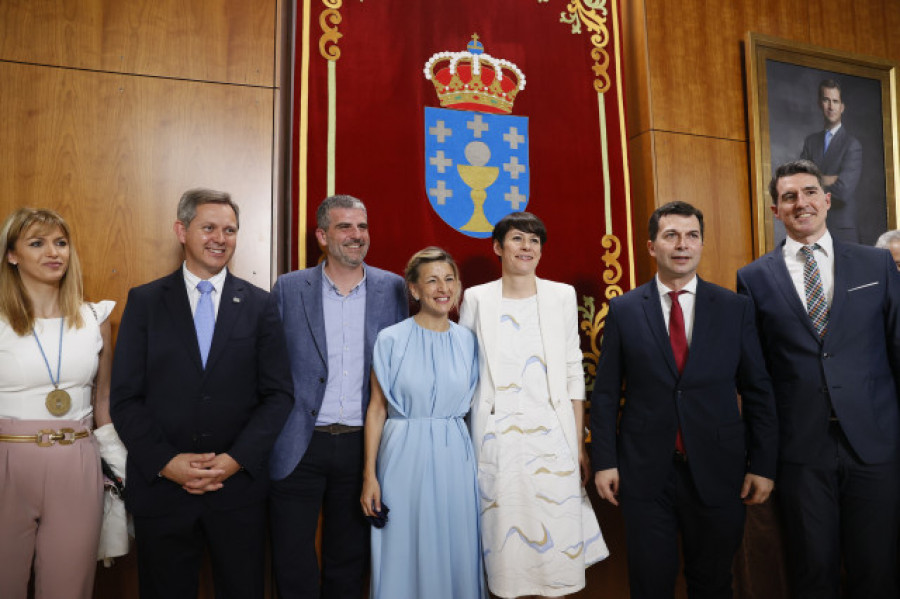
[50, 511]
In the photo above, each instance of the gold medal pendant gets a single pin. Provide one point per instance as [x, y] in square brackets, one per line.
[58, 402]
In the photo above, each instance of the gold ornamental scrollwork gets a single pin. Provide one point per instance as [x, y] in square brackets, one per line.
[593, 319]
[613, 271]
[592, 14]
[329, 19]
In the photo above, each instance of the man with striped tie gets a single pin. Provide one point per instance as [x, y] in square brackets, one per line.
[828, 315]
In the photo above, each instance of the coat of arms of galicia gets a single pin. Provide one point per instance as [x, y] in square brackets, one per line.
[476, 155]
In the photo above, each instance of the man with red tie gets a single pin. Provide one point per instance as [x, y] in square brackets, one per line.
[687, 454]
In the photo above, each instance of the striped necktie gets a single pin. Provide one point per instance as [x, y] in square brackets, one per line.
[815, 293]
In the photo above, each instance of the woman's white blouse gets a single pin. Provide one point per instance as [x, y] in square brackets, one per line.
[24, 379]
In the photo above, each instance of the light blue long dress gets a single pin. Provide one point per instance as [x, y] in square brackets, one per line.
[431, 545]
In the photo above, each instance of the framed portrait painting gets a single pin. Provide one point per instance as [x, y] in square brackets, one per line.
[836, 109]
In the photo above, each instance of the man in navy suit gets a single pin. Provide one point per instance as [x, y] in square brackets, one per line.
[686, 451]
[200, 389]
[828, 315]
[839, 157]
[332, 314]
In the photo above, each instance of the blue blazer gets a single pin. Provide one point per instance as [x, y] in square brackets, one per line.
[636, 362]
[856, 365]
[298, 296]
[164, 403]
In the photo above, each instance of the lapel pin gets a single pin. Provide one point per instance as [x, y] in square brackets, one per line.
[236, 300]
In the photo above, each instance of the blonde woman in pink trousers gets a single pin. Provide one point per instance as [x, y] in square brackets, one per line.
[54, 388]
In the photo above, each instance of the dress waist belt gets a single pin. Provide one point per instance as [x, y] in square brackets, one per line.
[458, 420]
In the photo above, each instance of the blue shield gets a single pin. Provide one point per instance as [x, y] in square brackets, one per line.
[476, 167]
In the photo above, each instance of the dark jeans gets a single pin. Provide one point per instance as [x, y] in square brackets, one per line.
[327, 479]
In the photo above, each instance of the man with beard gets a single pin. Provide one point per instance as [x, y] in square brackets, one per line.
[332, 314]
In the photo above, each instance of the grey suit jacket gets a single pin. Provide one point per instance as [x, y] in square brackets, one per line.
[298, 296]
[844, 159]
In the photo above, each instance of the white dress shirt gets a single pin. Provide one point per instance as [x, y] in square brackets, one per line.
[687, 301]
[191, 280]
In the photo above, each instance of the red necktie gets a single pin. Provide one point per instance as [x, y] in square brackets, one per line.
[678, 340]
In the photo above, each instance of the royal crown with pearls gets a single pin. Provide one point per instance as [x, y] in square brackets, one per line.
[473, 80]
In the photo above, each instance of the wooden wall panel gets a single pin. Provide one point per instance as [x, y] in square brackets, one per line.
[643, 201]
[695, 67]
[892, 25]
[637, 74]
[113, 153]
[696, 61]
[110, 109]
[712, 175]
[851, 26]
[210, 40]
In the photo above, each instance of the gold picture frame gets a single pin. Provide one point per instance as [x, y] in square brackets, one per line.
[782, 88]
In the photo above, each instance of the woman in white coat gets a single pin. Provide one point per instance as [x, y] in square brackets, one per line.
[539, 531]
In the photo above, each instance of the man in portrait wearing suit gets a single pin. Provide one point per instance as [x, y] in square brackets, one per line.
[686, 451]
[839, 157]
[201, 387]
[828, 315]
[332, 314]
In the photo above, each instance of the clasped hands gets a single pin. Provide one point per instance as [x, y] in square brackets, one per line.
[200, 473]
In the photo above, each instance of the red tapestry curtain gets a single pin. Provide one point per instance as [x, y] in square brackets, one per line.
[369, 123]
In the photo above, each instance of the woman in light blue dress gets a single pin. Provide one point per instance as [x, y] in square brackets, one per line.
[419, 459]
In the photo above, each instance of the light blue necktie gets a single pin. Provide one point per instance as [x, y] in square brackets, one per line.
[205, 319]
[828, 136]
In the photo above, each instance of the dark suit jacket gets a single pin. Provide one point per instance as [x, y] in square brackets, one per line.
[843, 158]
[164, 403]
[299, 298]
[856, 365]
[636, 362]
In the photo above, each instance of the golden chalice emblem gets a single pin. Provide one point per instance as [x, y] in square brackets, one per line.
[479, 178]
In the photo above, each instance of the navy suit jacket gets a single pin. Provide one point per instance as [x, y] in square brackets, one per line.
[164, 403]
[298, 296]
[636, 361]
[844, 159]
[855, 366]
